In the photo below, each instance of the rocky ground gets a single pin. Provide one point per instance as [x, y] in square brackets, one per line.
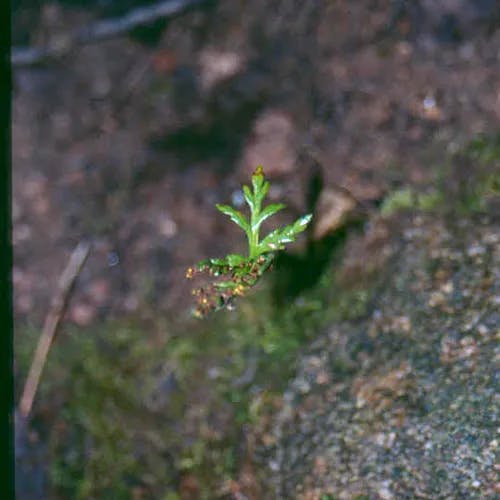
[404, 403]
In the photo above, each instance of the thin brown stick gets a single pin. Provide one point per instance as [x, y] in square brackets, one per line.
[52, 321]
[101, 30]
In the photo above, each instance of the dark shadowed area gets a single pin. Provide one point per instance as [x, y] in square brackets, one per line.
[349, 371]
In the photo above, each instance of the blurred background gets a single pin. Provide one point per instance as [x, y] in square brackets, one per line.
[357, 110]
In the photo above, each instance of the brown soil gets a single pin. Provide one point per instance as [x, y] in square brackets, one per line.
[130, 145]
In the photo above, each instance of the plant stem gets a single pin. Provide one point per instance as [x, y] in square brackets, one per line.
[254, 240]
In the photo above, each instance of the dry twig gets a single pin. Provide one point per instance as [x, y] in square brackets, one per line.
[66, 282]
[101, 30]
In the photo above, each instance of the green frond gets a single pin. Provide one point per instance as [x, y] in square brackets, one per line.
[239, 273]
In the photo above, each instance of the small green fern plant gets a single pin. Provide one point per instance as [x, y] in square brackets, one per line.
[235, 274]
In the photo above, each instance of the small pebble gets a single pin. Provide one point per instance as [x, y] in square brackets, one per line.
[237, 198]
[113, 259]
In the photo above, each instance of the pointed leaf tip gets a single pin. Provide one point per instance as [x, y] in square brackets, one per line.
[259, 170]
[248, 196]
[300, 224]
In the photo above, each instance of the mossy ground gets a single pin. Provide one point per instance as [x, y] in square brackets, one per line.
[466, 184]
[139, 405]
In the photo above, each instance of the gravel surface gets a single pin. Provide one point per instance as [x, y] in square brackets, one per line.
[404, 404]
